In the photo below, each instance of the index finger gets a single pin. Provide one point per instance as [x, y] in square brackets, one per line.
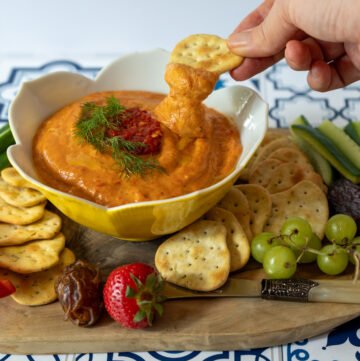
[256, 17]
[253, 66]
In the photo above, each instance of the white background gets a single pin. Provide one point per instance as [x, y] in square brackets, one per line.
[63, 27]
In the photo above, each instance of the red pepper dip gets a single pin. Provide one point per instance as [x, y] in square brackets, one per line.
[194, 146]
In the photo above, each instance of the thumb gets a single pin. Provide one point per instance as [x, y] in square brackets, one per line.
[267, 38]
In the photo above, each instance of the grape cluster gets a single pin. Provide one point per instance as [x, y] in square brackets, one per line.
[297, 243]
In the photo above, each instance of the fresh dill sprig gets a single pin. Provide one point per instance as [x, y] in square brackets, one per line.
[129, 163]
[92, 126]
[113, 107]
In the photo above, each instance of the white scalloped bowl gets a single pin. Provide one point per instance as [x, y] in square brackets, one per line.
[38, 99]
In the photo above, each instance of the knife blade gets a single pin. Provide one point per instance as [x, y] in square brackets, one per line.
[300, 290]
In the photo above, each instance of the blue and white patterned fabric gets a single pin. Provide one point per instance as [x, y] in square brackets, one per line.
[288, 96]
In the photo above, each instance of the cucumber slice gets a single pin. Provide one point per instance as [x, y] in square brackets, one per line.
[341, 141]
[328, 150]
[4, 161]
[353, 131]
[320, 164]
[302, 120]
[6, 138]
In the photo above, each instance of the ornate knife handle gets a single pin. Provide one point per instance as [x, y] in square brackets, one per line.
[287, 290]
[302, 290]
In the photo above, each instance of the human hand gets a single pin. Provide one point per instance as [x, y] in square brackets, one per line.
[322, 37]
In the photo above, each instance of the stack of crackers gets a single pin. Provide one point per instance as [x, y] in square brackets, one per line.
[281, 183]
[282, 170]
[32, 248]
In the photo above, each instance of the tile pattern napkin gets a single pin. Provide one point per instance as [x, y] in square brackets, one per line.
[288, 96]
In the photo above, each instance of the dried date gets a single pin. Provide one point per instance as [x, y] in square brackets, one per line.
[80, 294]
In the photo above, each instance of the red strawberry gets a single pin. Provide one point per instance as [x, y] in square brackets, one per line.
[6, 288]
[132, 294]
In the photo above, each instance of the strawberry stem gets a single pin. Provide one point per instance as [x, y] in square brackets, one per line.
[148, 297]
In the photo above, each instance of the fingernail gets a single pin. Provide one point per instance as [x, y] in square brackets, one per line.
[240, 40]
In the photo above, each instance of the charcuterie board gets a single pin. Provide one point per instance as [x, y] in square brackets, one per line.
[202, 324]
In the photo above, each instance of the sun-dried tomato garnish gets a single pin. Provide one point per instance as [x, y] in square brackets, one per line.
[137, 125]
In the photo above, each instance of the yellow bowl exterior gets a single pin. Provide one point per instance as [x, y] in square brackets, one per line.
[157, 218]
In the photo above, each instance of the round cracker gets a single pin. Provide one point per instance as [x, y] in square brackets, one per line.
[291, 155]
[46, 228]
[38, 288]
[196, 258]
[274, 134]
[286, 175]
[306, 200]
[269, 148]
[237, 242]
[32, 257]
[12, 177]
[235, 201]
[260, 204]
[271, 135]
[20, 197]
[262, 174]
[20, 215]
[207, 52]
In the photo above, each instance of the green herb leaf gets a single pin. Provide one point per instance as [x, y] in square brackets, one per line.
[113, 107]
[129, 163]
[92, 125]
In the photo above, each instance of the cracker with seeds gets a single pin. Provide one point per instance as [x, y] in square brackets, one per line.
[260, 204]
[20, 197]
[263, 172]
[271, 135]
[12, 177]
[269, 148]
[305, 199]
[38, 288]
[20, 215]
[291, 155]
[235, 201]
[46, 228]
[286, 175]
[196, 258]
[32, 257]
[206, 52]
[237, 242]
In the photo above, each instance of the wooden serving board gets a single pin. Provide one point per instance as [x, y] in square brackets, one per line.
[202, 324]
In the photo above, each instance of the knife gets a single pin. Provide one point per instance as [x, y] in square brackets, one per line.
[299, 290]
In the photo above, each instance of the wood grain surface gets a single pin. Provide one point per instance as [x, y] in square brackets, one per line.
[199, 324]
[205, 324]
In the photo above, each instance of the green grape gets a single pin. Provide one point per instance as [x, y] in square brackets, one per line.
[298, 232]
[340, 229]
[279, 262]
[314, 243]
[333, 261]
[262, 243]
[355, 247]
